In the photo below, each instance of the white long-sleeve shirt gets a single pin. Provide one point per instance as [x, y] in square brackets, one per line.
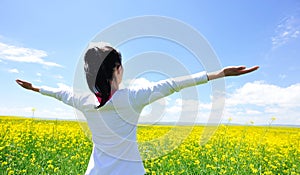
[114, 125]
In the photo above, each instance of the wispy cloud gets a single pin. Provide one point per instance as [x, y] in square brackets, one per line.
[64, 86]
[13, 71]
[23, 54]
[58, 77]
[288, 29]
[282, 76]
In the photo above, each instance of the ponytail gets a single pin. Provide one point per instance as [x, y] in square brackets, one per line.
[99, 69]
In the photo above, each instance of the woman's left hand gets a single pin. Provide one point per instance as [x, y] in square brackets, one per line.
[27, 85]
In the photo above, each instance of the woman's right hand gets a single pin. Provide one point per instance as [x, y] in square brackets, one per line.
[231, 71]
[27, 85]
[238, 70]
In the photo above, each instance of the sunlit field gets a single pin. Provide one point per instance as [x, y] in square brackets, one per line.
[31, 146]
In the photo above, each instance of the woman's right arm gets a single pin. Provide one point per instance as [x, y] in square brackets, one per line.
[143, 96]
[146, 95]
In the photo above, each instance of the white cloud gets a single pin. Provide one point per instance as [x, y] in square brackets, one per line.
[176, 110]
[295, 34]
[13, 71]
[261, 101]
[254, 102]
[286, 30]
[64, 86]
[137, 83]
[22, 54]
[253, 112]
[261, 94]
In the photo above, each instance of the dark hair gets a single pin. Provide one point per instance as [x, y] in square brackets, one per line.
[99, 68]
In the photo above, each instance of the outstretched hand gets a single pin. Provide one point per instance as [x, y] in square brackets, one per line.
[27, 85]
[231, 71]
[238, 70]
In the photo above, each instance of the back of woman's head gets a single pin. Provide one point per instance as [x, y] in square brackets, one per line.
[100, 63]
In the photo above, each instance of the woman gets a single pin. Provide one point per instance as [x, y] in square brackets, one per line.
[112, 113]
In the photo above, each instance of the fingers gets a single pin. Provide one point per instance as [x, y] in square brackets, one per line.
[241, 67]
[250, 69]
[253, 68]
[24, 84]
[20, 82]
[244, 67]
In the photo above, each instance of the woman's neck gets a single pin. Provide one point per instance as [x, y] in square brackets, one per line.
[114, 87]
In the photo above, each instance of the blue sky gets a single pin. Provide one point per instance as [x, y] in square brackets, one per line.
[42, 41]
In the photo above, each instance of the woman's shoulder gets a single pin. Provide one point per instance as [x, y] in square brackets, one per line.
[87, 100]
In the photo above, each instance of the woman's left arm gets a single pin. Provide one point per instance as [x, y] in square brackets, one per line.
[27, 85]
[65, 95]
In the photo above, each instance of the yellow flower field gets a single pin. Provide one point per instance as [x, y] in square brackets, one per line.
[31, 146]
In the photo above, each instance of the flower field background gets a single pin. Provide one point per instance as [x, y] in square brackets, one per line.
[31, 146]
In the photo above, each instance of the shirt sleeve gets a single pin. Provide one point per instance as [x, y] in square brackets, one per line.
[68, 97]
[146, 95]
